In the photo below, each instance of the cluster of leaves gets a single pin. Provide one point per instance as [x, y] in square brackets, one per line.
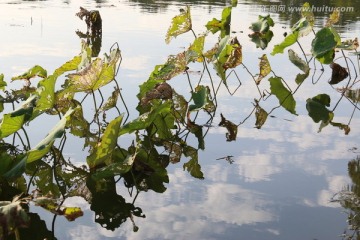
[167, 121]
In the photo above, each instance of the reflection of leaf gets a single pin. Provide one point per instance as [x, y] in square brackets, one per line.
[339, 73]
[35, 71]
[193, 166]
[317, 110]
[261, 115]
[342, 126]
[265, 68]
[231, 128]
[334, 18]
[180, 24]
[261, 40]
[307, 12]
[12, 217]
[201, 98]
[104, 150]
[284, 96]
[263, 24]
[42, 148]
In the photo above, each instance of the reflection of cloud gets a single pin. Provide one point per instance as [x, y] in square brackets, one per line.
[135, 63]
[257, 168]
[220, 205]
[335, 184]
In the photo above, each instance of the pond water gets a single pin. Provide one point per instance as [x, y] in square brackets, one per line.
[279, 181]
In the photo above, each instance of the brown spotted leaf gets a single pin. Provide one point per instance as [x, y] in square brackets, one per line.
[339, 73]
[265, 68]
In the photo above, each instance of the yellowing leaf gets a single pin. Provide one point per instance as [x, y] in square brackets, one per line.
[334, 18]
[180, 24]
[265, 68]
[97, 74]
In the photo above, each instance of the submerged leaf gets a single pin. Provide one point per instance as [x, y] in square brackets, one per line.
[339, 73]
[284, 96]
[180, 24]
[265, 68]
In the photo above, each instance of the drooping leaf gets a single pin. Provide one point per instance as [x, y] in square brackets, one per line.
[3, 84]
[111, 101]
[260, 114]
[72, 213]
[301, 64]
[284, 96]
[341, 126]
[263, 24]
[104, 150]
[339, 73]
[234, 51]
[324, 43]
[231, 128]
[297, 61]
[223, 25]
[198, 47]
[12, 122]
[288, 41]
[265, 68]
[353, 94]
[35, 71]
[349, 44]
[180, 24]
[317, 110]
[197, 131]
